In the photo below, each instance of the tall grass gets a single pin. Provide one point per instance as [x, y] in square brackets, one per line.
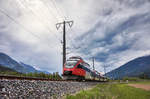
[112, 91]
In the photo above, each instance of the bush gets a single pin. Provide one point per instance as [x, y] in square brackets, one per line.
[131, 78]
[144, 76]
[54, 76]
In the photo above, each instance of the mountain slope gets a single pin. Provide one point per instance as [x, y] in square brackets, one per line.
[6, 69]
[28, 67]
[7, 61]
[133, 68]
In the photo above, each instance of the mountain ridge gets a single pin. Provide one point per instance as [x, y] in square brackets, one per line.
[9, 62]
[6, 69]
[133, 68]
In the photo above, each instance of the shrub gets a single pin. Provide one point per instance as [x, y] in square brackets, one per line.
[131, 78]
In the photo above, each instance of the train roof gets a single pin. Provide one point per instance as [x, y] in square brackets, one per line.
[75, 57]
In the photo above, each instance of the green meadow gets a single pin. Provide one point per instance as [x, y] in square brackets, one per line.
[112, 91]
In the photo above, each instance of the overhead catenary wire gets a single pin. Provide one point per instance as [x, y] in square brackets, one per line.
[47, 5]
[35, 15]
[58, 10]
[61, 14]
[19, 24]
[64, 14]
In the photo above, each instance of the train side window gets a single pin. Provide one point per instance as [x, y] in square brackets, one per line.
[79, 66]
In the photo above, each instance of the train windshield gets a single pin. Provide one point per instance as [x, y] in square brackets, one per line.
[71, 63]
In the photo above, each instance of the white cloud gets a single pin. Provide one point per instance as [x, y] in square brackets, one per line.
[100, 23]
[95, 51]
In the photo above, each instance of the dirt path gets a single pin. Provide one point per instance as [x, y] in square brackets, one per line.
[142, 86]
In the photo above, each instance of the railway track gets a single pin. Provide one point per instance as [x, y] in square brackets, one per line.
[10, 77]
[27, 78]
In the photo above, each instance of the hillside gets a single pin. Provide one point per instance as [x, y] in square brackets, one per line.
[8, 62]
[133, 68]
[6, 69]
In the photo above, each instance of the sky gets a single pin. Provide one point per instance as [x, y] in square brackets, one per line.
[112, 31]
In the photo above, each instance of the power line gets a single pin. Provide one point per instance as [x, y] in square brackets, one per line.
[25, 2]
[46, 5]
[58, 10]
[33, 13]
[16, 22]
[64, 14]
[50, 13]
[54, 3]
[61, 14]
[19, 24]
[27, 7]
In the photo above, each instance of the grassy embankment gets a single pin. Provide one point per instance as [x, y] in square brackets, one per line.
[112, 91]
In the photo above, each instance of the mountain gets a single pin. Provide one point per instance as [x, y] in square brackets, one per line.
[6, 69]
[29, 68]
[7, 61]
[132, 68]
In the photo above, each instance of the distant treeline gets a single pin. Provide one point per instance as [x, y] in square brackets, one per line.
[36, 75]
[142, 76]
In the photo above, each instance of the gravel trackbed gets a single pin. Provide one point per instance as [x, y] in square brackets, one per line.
[27, 89]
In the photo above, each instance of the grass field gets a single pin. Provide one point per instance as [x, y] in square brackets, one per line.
[142, 82]
[112, 91]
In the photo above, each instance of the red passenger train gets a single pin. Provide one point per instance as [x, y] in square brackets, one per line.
[76, 68]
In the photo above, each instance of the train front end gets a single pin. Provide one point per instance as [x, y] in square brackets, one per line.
[71, 70]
